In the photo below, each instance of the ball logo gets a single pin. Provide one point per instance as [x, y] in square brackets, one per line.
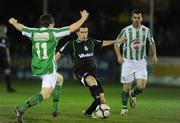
[136, 44]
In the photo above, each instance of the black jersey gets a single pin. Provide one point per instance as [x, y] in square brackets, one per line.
[82, 53]
[4, 44]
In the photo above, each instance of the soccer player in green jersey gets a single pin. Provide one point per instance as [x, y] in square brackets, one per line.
[134, 59]
[44, 41]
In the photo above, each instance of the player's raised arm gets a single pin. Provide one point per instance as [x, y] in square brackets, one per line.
[17, 25]
[75, 26]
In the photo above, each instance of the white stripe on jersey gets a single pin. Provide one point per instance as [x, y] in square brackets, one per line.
[61, 34]
[62, 48]
[27, 34]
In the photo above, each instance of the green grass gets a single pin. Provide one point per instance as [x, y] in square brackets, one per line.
[155, 105]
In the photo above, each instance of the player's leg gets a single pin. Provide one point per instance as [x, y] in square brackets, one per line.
[7, 73]
[48, 83]
[127, 77]
[141, 85]
[125, 97]
[56, 94]
[102, 97]
[95, 92]
[141, 77]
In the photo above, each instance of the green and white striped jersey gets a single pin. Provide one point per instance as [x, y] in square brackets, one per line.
[44, 42]
[135, 46]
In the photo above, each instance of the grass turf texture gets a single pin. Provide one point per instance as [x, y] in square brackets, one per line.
[157, 104]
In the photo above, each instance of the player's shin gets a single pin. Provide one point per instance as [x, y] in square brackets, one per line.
[34, 100]
[56, 95]
[96, 95]
[136, 91]
[124, 97]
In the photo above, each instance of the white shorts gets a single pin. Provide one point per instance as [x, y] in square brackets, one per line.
[48, 80]
[133, 69]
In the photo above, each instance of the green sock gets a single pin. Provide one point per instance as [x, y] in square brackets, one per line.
[56, 94]
[124, 97]
[136, 91]
[34, 100]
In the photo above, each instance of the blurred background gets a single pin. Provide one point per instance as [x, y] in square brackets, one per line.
[107, 19]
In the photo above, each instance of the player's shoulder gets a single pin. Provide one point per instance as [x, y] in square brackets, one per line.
[92, 39]
[127, 27]
[30, 28]
[145, 27]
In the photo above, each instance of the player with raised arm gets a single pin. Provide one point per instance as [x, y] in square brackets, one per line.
[82, 51]
[134, 59]
[44, 41]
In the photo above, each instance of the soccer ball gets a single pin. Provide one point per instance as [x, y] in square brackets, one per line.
[103, 111]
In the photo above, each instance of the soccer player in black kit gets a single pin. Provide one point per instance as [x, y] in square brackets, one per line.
[5, 57]
[82, 52]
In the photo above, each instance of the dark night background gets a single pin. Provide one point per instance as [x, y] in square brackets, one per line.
[107, 18]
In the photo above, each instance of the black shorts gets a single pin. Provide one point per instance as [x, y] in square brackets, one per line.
[4, 64]
[82, 74]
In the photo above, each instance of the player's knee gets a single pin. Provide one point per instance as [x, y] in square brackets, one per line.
[142, 87]
[46, 94]
[141, 90]
[126, 89]
[59, 78]
[91, 81]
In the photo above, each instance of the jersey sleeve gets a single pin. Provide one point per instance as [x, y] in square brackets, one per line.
[67, 48]
[27, 32]
[61, 32]
[149, 37]
[121, 34]
[97, 43]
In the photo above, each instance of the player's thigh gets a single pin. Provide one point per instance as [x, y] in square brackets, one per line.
[90, 80]
[141, 83]
[48, 81]
[141, 75]
[5, 66]
[46, 92]
[127, 75]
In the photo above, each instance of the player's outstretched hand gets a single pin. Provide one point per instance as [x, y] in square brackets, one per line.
[122, 40]
[84, 14]
[12, 21]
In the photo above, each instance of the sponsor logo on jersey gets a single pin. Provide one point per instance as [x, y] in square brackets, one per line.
[85, 48]
[83, 55]
[136, 44]
[41, 36]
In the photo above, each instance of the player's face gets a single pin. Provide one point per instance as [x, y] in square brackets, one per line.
[82, 34]
[51, 25]
[136, 19]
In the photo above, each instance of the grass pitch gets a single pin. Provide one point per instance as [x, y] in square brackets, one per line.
[156, 104]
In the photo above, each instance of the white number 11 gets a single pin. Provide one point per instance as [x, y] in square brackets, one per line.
[42, 46]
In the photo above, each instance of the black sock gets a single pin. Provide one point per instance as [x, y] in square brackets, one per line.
[124, 97]
[95, 93]
[136, 91]
[8, 81]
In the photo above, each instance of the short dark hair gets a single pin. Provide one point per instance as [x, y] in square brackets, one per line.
[45, 20]
[84, 25]
[136, 11]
